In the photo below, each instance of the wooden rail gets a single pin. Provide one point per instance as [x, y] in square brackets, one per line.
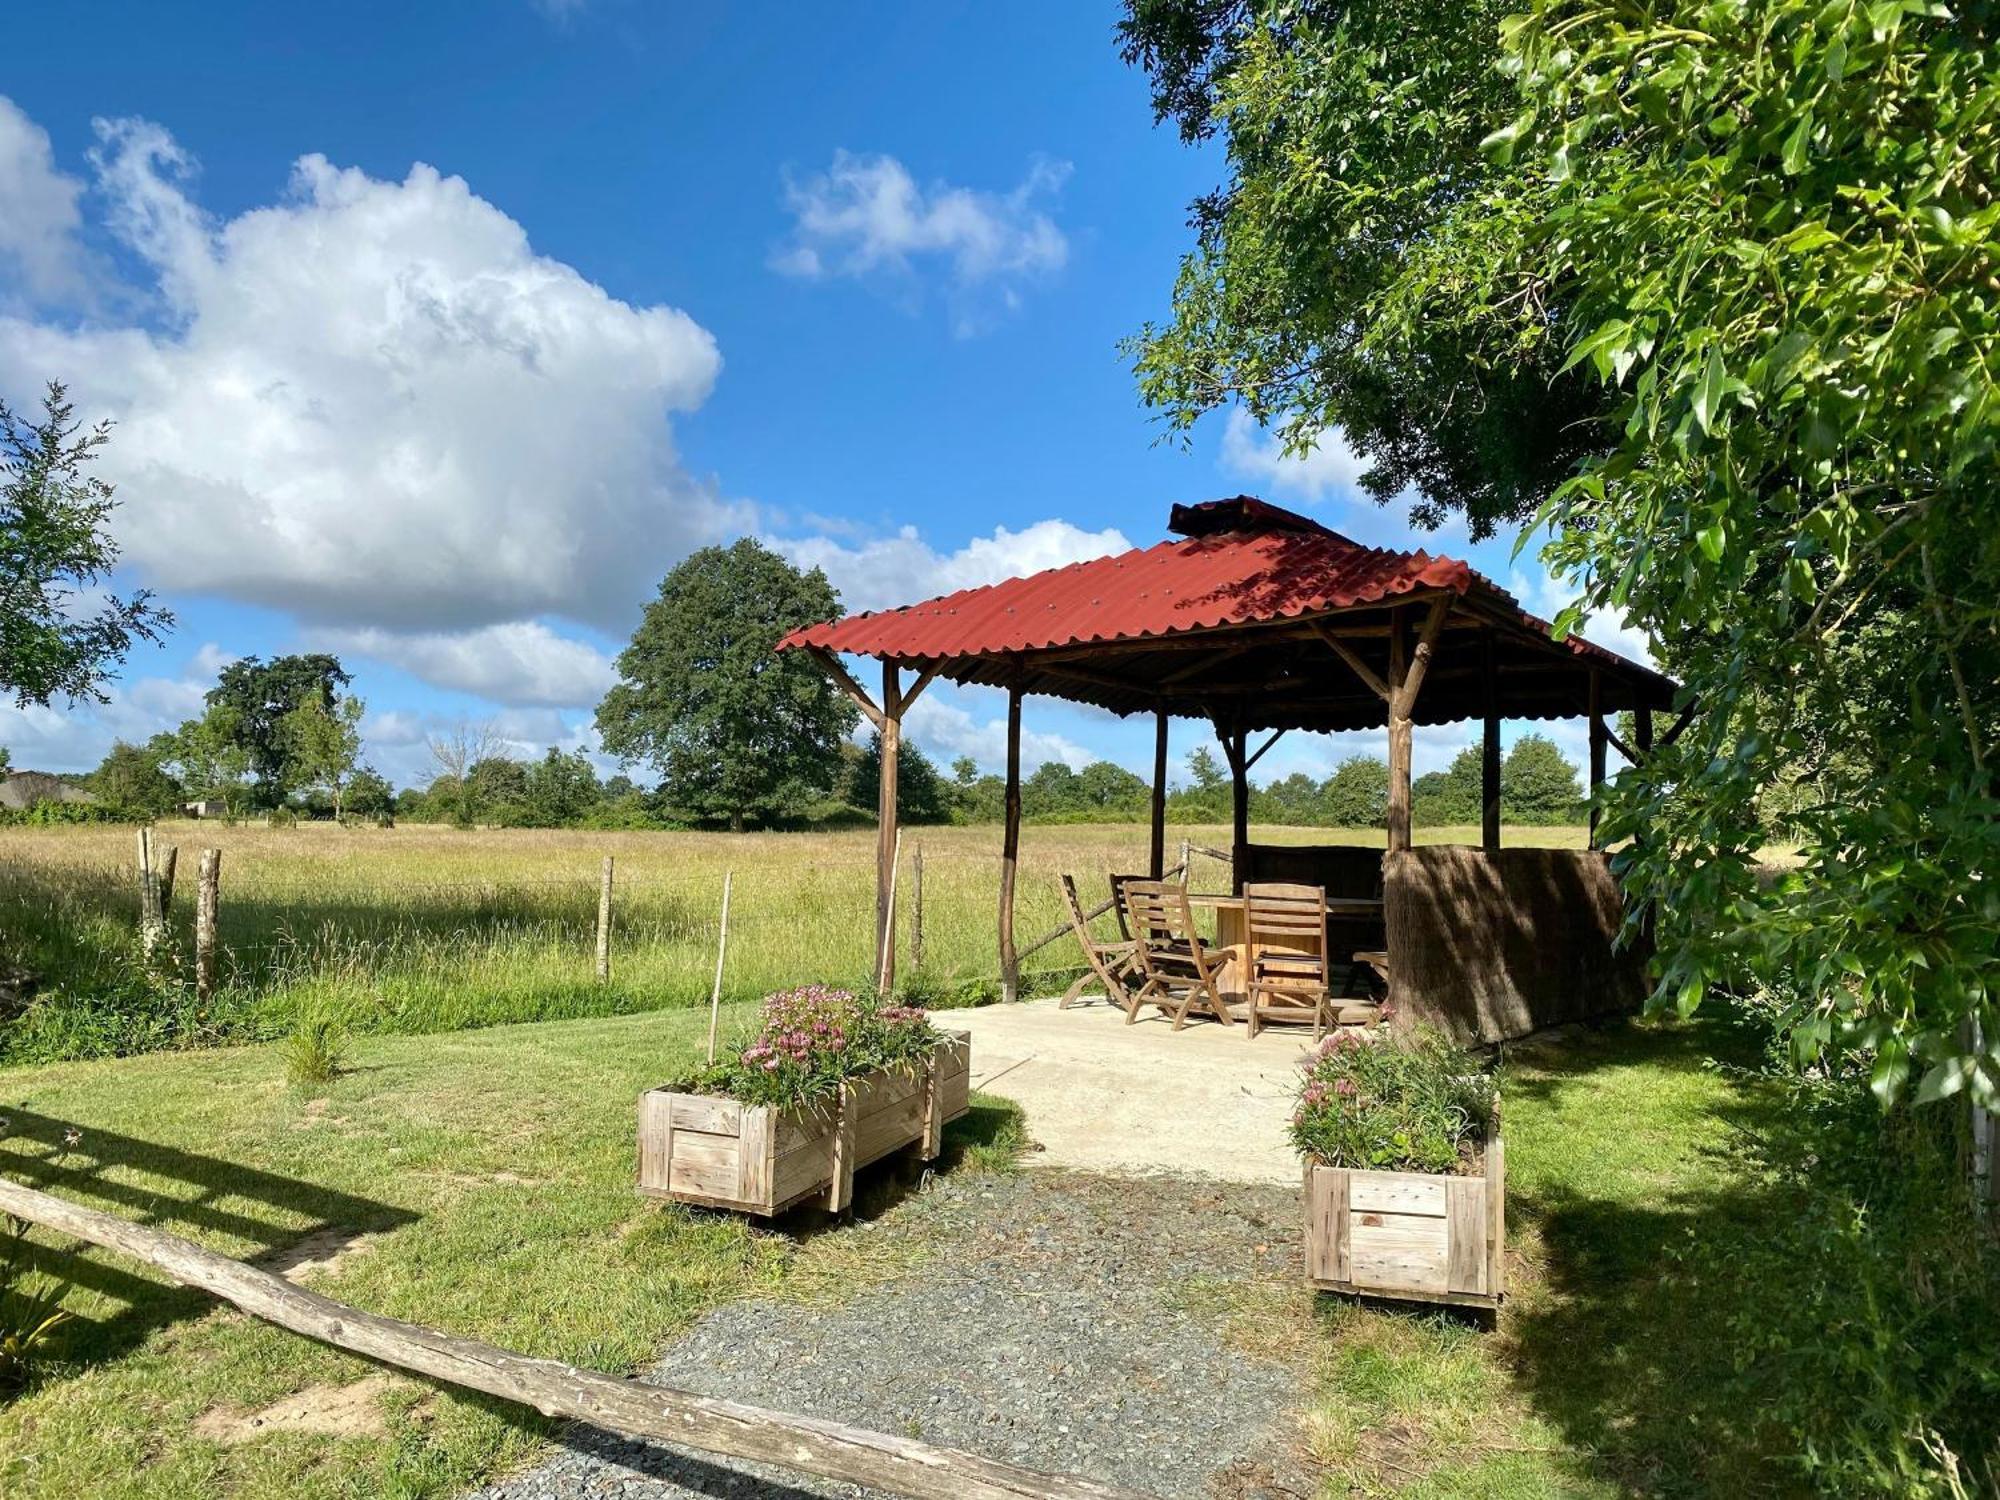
[829, 1449]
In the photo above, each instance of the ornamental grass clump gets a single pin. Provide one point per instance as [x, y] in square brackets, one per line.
[813, 1038]
[1406, 1102]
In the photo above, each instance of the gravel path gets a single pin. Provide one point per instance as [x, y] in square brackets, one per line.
[1043, 1326]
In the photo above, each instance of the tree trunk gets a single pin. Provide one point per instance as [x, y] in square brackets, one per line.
[736, 821]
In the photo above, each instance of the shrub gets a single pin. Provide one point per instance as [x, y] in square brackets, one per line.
[315, 1051]
[1398, 1102]
[812, 1039]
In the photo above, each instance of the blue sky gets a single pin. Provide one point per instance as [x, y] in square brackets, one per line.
[437, 334]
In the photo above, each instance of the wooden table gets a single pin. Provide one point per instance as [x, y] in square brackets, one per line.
[1232, 948]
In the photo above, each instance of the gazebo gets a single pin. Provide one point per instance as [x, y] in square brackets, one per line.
[1262, 621]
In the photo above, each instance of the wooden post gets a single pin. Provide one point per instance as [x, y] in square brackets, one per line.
[1187, 856]
[1642, 728]
[891, 735]
[149, 896]
[1597, 748]
[1010, 851]
[721, 950]
[917, 908]
[207, 905]
[1489, 750]
[1399, 732]
[1157, 847]
[1239, 805]
[165, 881]
[871, 1460]
[886, 979]
[604, 924]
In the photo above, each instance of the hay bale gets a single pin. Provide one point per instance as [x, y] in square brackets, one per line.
[1494, 946]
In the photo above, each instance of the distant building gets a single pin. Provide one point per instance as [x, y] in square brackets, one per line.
[207, 807]
[21, 790]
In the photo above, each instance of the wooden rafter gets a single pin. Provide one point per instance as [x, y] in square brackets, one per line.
[831, 664]
[1276, 735]
[1348, 654]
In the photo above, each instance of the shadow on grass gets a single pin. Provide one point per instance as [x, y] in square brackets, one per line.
[1628, 1345]
[180, 1192]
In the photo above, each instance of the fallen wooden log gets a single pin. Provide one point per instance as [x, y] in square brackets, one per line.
[829, 1449]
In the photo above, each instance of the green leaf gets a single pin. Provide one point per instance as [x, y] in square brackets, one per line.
[1944, 1080]
[1712, 540]
[1709, 389]
[1794, 158]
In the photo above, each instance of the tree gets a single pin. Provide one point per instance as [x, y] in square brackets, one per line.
[60, 633]
[210, 757]
[1538, 784]
[129, 779]
[1207, 799]
[454, 752]
[561, 789]
[735, 730]
[1051, 791]
[369, 794]
[1454, 795]
[322, 745]
[1104, 786]
[1356, 795]
[498, 788]
[1751, 248]
[262, 696]
[1294, 799]
[922, 796]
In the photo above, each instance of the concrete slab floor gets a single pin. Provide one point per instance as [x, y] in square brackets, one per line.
[1102, 1096]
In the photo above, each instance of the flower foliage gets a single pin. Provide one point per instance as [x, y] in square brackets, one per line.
[1402, 1102]
[810, 1040]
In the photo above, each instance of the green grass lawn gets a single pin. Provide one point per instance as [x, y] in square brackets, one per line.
[494, 1170]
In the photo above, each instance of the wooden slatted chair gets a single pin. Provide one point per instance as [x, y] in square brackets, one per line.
[1285, 931]
[1113, 965]
[1118, 884]
[1179, 970]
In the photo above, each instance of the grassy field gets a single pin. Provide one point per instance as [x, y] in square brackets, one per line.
[423, 928]
[491, 1171]
[490, 1175]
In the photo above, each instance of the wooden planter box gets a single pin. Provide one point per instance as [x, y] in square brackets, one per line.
[762, 1160]
[1413, 1235]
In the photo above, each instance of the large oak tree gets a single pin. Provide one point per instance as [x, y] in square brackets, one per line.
[736, 731]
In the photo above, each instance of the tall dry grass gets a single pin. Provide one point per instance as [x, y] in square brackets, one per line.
[423, 928]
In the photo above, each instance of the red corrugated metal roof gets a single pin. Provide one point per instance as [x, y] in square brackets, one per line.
[1238, 562]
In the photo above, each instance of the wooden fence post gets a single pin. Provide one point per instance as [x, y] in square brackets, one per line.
[917, 909]
[149, 896]
[207, 902]
[1187, 853]
[604, 925]
[166, 881]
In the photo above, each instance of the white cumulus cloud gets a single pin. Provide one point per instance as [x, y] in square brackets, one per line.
[1330, 468]
[904, 568]
[945, 730]
[520, 662]
[867, 216]
[371, 403]
[39, 216]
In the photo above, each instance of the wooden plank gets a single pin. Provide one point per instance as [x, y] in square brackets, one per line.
[1496, 1214]
[706, 1164]
[831, 665]
[755, 1160]
[832, 1450]
[1465, 1233]
[1397, 1193]
[708, 1116]
[1407, 1251]
[1326, 1225]
[656, 1138]
[840, 1190]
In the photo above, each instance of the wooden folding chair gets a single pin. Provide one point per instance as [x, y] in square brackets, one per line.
[1178, 968]
[1113, 965]
[1118, 884]
[1285, 931]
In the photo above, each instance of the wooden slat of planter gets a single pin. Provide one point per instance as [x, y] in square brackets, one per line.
[1465, 1218]
[710, 1165]
[656, 1139]
[754, 1160]
[840, 1191]
[1326, 1224]
[1396, 1193]
[1398, 1251]
[1496, 1215]
[709, 1116]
